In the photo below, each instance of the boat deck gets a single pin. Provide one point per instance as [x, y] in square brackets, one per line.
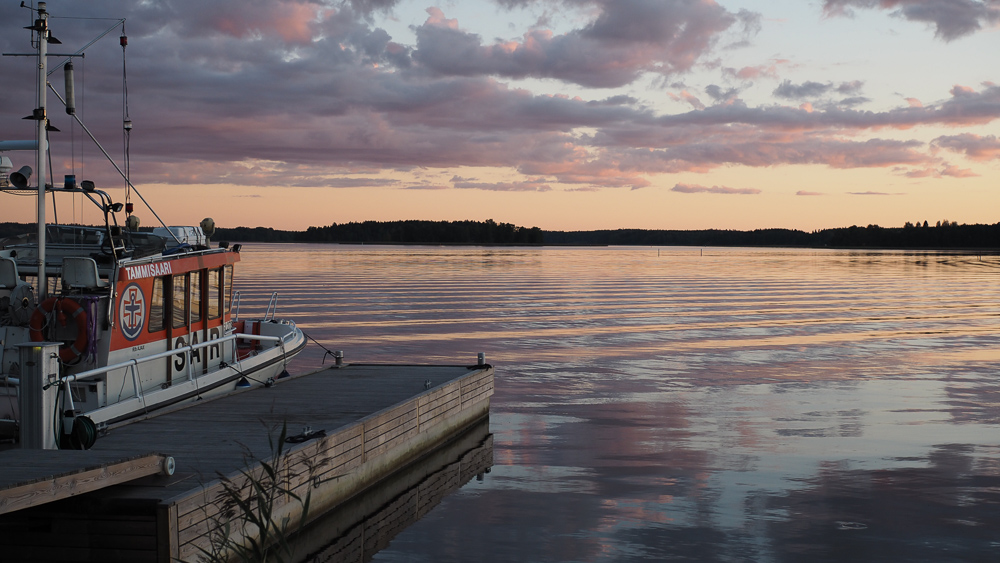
[371, 417]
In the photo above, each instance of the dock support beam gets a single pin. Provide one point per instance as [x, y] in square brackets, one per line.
[39, 367]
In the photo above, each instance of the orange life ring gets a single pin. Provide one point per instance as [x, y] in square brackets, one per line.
[67, 352]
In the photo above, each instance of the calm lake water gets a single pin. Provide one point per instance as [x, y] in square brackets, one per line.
[664, 404]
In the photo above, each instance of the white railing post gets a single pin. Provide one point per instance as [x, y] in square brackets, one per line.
[136, 382]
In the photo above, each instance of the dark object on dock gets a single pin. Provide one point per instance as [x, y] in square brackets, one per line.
[305, 436]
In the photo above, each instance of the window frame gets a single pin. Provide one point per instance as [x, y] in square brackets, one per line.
[184, 320]
[162, 298]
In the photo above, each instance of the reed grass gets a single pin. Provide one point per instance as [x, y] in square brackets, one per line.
[249, 528]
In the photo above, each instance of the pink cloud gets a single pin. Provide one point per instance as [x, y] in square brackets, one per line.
[759, 150]
[626, 39]
[293, 21]
[758, 71]
[951, 19]
[688, 98]
[694, 189]
[940, 172]
[975, 147]
[606, 171]
[966, 107]
[436, 18]
[918, 173]
[958, 91]
[956, 172]
[525, 186]
[290, 22]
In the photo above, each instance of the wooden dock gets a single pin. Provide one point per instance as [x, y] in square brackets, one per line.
[364, 423]
[35, 477]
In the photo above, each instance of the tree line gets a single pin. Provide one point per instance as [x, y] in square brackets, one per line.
[943, 234]
[427, 232]
[369, 232]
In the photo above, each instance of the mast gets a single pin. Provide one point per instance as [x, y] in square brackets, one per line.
[43, 146]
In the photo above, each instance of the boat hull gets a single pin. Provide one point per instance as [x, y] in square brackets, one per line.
[260, 368]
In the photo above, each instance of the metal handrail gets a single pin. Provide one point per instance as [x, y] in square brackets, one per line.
[134, 363]
[133, 404]
[272, 307]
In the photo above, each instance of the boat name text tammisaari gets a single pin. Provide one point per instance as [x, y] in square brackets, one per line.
[148, 270]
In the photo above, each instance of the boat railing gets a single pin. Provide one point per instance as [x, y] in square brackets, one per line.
[133, 365]
[272, 307]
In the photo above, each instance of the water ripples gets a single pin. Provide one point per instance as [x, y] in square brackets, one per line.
[725, 405]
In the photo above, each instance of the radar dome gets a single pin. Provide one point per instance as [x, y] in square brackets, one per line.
[208, 226]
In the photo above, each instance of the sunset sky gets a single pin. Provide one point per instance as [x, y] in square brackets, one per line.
[565, 115]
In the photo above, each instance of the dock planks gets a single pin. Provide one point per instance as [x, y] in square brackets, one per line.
[33, 477]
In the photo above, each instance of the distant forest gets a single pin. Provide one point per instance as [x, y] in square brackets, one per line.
[394, 232]
[943, 234]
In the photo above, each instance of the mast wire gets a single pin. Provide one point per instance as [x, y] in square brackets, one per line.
[48, 144]
[82, 110]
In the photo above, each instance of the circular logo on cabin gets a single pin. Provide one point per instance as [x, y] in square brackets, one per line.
[132, 311]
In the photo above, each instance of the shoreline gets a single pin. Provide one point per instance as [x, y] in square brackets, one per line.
[942, 237]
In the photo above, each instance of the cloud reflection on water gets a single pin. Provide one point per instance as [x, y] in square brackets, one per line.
[766, 405]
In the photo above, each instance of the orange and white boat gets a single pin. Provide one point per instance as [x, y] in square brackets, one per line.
[145, 321]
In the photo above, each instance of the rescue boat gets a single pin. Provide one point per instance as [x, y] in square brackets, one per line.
[145, 321]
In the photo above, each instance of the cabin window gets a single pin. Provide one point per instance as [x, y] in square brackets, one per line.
[156, 306]
[180, 301]
[214, 293]
[227, 291]
[195, 301]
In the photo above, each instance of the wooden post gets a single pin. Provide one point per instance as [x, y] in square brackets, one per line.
[39, 367]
